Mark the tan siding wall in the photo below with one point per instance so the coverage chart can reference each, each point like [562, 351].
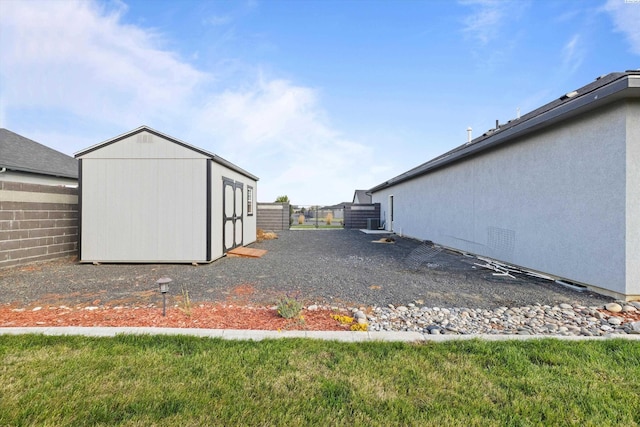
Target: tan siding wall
[37, 222]
[34, 178]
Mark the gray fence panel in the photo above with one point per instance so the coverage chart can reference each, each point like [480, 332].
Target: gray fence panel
[357, 216]
[273, 216]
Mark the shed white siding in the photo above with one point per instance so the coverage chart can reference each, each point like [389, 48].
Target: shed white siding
[563, 200]
[146, 210]
[148, 198]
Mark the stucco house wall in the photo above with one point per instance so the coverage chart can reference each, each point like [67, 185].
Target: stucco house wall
[633, 198]
[563, 200]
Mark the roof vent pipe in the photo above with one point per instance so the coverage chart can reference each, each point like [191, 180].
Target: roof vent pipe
[469, 134]
[497, 124]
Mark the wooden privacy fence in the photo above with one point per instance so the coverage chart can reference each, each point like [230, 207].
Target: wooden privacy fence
[37, 222]
[273, 216]
[362, 216]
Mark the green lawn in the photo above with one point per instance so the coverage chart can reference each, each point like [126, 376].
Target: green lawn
[160, 380]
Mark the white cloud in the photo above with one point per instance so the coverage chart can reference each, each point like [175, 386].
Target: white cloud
[75, 56]
[80, 72]
[282, 132]
[626, 17]
[573, 54]
[484, 23]
[217, 20]
[3, 118]
[492, 29]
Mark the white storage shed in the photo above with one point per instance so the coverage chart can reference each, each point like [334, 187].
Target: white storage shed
[150, 198]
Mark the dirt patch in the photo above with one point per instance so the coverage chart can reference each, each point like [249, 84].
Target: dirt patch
[241, 290]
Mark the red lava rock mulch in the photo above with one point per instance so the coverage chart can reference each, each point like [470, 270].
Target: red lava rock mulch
[206, 316]
[627, 317]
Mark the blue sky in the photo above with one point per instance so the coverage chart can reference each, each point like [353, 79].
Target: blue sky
[317, 98]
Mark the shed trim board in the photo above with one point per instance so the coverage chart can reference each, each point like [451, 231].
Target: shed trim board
[208, 207]
[80, 209]
[557, 191]
[157, 200]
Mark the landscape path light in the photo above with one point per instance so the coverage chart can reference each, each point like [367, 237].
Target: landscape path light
[163, 283]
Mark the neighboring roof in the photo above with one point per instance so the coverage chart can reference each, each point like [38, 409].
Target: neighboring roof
[24, 155]
[338, 206]
[603, 90]
[361, 196]
[143, 128]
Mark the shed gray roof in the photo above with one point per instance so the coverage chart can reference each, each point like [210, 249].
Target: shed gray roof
[24, 155]
[603, 90]
[144, 128]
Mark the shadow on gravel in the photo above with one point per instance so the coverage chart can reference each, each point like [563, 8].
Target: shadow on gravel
[333, 267]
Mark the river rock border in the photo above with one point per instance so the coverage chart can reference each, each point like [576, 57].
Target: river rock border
[562, 319]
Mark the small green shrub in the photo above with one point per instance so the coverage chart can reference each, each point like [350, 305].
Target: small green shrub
[289, 307]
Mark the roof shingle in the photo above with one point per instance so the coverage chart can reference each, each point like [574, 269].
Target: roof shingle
[24, 155]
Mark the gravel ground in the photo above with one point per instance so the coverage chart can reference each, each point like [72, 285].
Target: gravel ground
[332, 267]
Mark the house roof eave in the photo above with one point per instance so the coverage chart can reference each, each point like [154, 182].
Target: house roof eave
[625, 86]
[15, 168]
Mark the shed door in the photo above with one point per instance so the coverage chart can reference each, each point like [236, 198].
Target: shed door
[232, 205]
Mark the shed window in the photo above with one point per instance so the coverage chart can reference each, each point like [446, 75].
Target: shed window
[249, 200]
